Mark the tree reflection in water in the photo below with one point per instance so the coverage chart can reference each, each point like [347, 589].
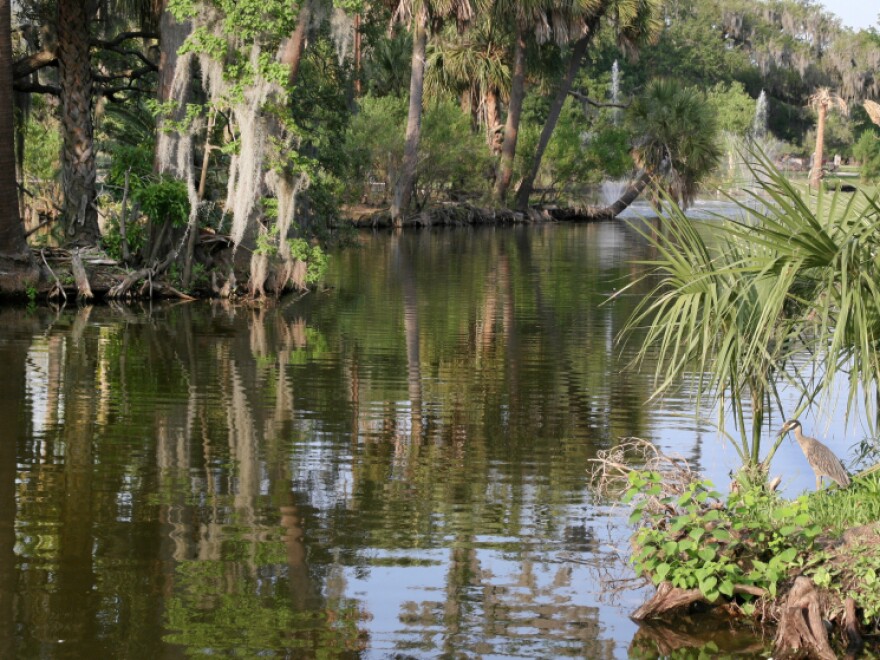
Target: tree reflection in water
[395, 465]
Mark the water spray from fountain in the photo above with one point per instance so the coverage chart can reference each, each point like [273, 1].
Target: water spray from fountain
[615, 91]
[759, 124]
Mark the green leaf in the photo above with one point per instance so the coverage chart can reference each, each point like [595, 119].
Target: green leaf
[706, 554]
[708, 585]
[721, 535]
[662, 571]
[726, 587]
[787, 556]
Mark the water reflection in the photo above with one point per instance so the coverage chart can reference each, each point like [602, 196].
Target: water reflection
[393, 466]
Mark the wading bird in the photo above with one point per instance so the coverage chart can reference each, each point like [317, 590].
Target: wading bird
[821, 459]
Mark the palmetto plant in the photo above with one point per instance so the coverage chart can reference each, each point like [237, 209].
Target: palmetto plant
[736, 304]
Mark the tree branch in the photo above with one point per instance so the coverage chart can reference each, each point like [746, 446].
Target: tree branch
[596, 104]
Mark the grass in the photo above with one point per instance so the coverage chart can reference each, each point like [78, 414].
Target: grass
[837, 510]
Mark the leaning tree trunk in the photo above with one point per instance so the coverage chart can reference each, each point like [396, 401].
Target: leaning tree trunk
[630, 194]
[574, 65]
[78, 151]
[593, 213]
[818, 156]
[407, 178]
[296, 44]
[511, 127]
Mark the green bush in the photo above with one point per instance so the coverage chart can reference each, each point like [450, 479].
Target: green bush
[867, 152]
[452, 157]
[164, 201]
[698, 540]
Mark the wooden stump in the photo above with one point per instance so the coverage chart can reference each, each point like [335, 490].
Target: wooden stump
[801, 632]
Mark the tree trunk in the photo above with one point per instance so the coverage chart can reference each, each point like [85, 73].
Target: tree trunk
[630, 194]
[493, 121]
[816, 172]
[574, 65]
[511, 127]
[12, 241]
[296, 44]
[406, 180]
[78, 151]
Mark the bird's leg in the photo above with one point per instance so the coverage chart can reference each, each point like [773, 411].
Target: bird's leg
[818, 482]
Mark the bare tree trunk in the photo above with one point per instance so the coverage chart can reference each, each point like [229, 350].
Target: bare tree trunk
[493, 121]
[574, 65]
[12, 241]
[79, 173]
[818, 156]
[296, 44]
[511, 127]
[357, 55]
[406, 180]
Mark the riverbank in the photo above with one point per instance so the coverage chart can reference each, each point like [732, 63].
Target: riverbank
[809, 567]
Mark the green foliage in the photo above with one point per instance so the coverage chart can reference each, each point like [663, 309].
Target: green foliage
[164, 200]
[798, 275]
[696, 540]
[315, 258]
[867, 152]
[461, 169]
[676, 136]
[135, 235]
[734, 108]
[582, 152]
[375, 140]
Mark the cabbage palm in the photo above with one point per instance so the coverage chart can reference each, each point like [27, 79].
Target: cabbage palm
[472, 65]
[419, 15]
[822, 101]
[676, 144]
[798, 276]
[538, 21]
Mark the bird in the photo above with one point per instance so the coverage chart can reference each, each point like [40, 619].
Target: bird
[821, 459]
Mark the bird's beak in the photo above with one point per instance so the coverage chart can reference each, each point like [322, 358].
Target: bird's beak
[783, 430]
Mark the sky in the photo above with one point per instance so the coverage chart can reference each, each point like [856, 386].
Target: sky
[857, 14]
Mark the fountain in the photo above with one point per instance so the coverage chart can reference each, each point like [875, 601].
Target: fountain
[615, 91]
[759, 124]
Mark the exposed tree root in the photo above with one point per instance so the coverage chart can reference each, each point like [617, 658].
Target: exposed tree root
[802, 632]
[671, 600]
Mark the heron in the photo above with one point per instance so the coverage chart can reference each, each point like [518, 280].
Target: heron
[821, 459]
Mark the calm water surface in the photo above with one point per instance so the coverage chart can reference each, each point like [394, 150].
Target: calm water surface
[393, 467]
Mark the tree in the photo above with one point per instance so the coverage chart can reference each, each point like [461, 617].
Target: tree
[418, 13]
[676, 143]
[638, 22]
[821, 101]
[78, 151]
[12, 240]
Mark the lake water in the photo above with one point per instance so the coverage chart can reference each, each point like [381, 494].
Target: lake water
[392, 467]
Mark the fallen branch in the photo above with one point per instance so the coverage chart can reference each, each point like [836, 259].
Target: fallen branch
[57, 289]
[84, 290]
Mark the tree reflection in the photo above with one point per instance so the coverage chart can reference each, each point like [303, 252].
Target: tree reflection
[222, 479]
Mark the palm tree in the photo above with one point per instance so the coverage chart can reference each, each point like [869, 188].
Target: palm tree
[418, 14]
[472, 66]
[638, 22]
[676, 144]
[78, 151]
[12, 240]
[823, 100]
